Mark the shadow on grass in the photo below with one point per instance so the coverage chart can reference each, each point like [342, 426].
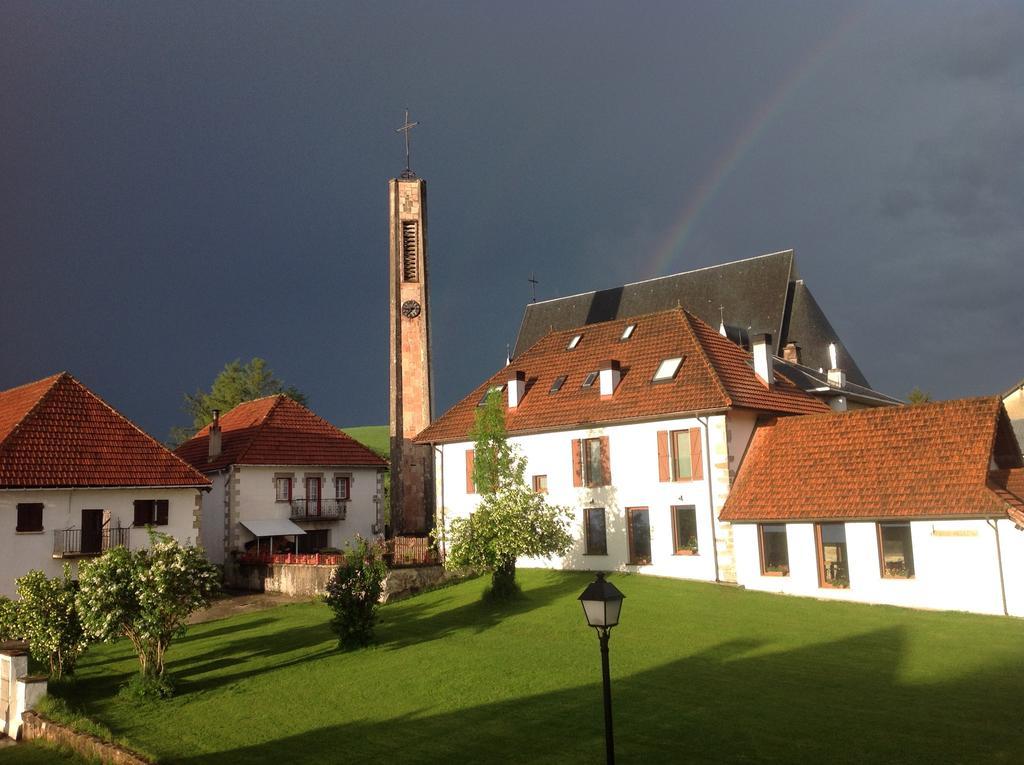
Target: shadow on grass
[839, 702]
[420, 621]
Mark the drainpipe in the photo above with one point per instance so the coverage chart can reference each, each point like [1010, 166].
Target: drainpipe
[999, 557]
[711, 496]
[444, 531]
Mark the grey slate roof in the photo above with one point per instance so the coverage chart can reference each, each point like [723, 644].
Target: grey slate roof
[761, 294]
[808, 379]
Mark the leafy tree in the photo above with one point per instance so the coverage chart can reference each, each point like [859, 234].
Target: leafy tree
[46, 616]
[236, 383]
[354, 591]
[511, 519]
[918, 396]
[146, 596]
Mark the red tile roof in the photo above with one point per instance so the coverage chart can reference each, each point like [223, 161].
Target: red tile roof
[913, 461]
[715, 374]
[57, 433]
[276, 430]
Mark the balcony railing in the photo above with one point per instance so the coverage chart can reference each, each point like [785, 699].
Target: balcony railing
[322, 509]
[70, 543]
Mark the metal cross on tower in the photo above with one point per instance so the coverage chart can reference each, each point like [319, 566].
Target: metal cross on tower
[407, 173]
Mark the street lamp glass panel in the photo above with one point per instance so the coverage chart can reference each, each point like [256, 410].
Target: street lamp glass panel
[602, 603]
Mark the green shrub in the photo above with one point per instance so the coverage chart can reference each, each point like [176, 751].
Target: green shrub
[354, 591]
[10, 620]
[48, 618]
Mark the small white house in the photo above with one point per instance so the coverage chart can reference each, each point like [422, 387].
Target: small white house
[77, 478]
[637, 425]
[911, 506]
[284, 481]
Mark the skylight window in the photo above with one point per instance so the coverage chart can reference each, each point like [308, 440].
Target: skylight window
[557, 384]
[628, 332]
[589, 381]
[488, 392]
[667, 369]
[574, 342]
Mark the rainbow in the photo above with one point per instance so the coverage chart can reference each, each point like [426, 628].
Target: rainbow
[714, 180]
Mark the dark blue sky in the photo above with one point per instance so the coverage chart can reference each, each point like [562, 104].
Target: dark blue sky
[182, 184]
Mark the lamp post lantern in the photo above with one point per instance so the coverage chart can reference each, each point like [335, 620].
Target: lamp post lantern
[602, 603]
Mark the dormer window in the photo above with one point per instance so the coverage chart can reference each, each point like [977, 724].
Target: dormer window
[557, 384]
[588, 382]
[628, 332]
[488, 392]
[667, 369]
[574, 342]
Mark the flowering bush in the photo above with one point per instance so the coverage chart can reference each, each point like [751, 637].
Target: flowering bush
[353, 592]
[146, 596]
[10, 620]
[46, 616]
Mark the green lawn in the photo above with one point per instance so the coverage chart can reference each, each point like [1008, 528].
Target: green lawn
[700, 673]
[39, 753]
[376, 437]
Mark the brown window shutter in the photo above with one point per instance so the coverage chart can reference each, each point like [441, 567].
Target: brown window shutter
[470, 486]
[696, 465]
[663, 471]
[142, 512]
[161, 512]
[606, 461]
[577, 463]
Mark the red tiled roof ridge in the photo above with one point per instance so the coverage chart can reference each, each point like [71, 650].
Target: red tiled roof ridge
[688, 319]
[44, 394]
[911, 461]
[113, 411]
[51, 453]
[263, 423]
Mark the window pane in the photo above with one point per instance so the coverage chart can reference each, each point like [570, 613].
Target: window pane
[667, 369]
[832, 554]
[681, 468]
[595, 475]
[685, 528]
[639, 535]
[540, 484]
[775, 549]
[897, 550]
[283, 489]
[597, 542]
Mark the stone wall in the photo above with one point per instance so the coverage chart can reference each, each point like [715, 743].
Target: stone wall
[35, 726]
[309, 581]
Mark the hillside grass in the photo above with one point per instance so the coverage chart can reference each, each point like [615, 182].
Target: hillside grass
[700, 673]
[375, 437]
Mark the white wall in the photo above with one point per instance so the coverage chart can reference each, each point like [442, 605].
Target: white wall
[62, 509]
[213, 514]
[955, 566]
[635, 483]
[254, 496]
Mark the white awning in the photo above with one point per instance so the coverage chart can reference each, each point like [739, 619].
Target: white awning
[276, 527]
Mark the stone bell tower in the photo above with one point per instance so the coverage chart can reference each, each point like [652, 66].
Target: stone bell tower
[412, 475]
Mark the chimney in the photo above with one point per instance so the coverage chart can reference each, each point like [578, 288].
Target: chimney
[762, 346]
[214, 442]
[836, 376]
[838, 404]
[791, 353]
[611, 373]
[516, 388]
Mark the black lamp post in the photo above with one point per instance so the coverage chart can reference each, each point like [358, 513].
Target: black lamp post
[602, 603]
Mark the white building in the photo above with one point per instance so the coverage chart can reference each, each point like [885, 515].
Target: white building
[284, 480]
[911, 506]
[76, 478]
[638, 425]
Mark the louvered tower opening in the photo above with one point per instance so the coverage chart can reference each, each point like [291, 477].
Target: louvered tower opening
[410, 261]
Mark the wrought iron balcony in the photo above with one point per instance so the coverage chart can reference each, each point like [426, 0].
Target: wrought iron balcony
[71, 543]
[322, 509]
